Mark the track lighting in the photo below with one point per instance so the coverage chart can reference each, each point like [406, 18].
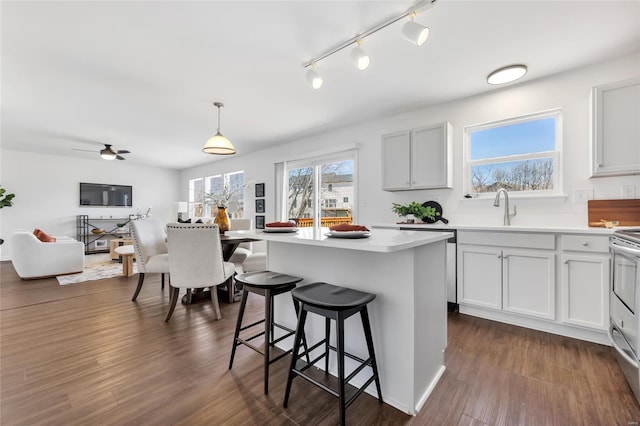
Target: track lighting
[507, 74]
[314, 78]
[412, 31]
[218, 144]
[361, 59]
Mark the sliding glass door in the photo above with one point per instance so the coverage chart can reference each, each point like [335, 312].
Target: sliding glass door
[321, 192]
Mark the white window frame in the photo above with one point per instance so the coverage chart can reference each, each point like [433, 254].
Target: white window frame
[339, 155]
[555, 155]
[208, 210]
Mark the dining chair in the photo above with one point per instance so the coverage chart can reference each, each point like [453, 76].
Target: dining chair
[151, 250]
[196, 262]
[244, 250]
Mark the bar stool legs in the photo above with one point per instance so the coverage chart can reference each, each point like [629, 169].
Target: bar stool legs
[320, 298]
[269, 285]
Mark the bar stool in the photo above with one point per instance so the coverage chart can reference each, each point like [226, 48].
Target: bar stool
[333, 303]
[267, 284]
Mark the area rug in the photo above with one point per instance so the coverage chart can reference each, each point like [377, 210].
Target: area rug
[96, 267]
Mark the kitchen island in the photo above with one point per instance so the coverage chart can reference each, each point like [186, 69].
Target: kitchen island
[406, 270]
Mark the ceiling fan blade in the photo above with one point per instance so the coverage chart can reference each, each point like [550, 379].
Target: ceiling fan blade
[119, 157]
[123, 151]
[84, 150]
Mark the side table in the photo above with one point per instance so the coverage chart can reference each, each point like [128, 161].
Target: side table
[127, 254]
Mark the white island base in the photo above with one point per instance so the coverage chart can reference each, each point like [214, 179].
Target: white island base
[408, 316]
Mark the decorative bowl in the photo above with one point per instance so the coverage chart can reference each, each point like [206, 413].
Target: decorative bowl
[97, 231]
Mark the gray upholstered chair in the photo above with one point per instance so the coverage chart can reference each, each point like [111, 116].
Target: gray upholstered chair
[151, 250]
[195, 261]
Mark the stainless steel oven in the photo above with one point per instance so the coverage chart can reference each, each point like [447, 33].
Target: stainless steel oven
[625, 304]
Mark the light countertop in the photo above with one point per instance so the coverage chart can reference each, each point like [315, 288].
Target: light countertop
[381, 240]
[498, 228]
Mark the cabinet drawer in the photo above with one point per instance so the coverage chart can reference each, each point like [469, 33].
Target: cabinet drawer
[508, 239]
[589, 243]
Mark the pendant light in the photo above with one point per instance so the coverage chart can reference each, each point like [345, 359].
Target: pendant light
[218, 144]
[313, 77]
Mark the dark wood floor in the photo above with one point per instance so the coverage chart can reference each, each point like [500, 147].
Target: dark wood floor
[85, 354]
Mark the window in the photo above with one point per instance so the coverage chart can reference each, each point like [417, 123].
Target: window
[314, 186]
[200, 187]
[519, 155]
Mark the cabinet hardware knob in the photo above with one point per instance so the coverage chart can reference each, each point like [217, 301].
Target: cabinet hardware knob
[585, 244]
[599, 165]
[622, 323]
[499, 256]
[566, 262]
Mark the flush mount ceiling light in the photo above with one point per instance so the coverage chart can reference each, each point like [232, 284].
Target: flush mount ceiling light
[218, 144]
[507, 74]
[361, 59]
[411, 31]
[314, 78]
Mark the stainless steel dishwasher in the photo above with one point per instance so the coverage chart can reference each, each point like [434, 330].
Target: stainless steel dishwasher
[451, 259]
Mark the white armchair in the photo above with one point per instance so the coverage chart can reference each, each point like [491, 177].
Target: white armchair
[32, 258]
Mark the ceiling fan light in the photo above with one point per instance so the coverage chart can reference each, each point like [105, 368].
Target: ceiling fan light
[314, 78]
[507, 74]
[361, 59]
[415, 33]
[108, 155]
[219, 145]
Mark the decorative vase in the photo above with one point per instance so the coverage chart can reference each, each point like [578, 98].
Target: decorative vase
[222, 220]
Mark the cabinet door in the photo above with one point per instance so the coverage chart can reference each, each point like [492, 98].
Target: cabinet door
[480, 276]
[585, 290]
[529, 282]
[395, 161]
[616, 129]
[430, 156]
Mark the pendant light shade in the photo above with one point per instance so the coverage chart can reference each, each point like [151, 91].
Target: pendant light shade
[415, 33]
[218, 144]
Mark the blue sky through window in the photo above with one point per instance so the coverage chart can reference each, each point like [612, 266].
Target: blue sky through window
[514, 139]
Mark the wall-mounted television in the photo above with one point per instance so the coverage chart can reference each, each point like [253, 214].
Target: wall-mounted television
[105, 195]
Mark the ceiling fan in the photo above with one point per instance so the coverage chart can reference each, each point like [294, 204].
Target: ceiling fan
[108, 153]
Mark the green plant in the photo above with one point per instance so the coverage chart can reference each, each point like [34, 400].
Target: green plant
[5, 200]
[414, 208]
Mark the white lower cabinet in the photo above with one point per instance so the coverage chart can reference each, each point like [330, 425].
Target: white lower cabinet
[512, 276]
[529, 282]
[585, 281]
[513, 280]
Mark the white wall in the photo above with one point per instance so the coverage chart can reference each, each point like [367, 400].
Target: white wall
[569, 91]
[47, 191]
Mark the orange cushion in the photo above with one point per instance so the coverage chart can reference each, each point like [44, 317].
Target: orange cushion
[44, 237]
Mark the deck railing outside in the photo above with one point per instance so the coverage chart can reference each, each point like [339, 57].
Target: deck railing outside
[325, 222]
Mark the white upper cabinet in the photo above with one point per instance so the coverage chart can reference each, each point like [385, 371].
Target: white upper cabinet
[419, 158]
[615, 129]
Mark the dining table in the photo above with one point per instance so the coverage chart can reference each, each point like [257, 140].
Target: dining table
[229, 245]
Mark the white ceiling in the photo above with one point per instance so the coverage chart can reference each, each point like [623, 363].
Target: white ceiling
[143, 75]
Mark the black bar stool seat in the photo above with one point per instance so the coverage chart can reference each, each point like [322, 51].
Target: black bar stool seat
[268, 284]
[333, 303]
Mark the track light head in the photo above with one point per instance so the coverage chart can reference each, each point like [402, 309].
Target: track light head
[414, 32]
[314, 78]
[361, 59]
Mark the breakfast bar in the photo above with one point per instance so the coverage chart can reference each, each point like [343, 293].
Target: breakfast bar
[406, 270]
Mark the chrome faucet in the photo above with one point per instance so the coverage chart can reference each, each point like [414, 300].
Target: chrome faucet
[496, 203]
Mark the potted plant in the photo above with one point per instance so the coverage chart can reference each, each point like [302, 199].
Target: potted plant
[414, 208]
[5, 201]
